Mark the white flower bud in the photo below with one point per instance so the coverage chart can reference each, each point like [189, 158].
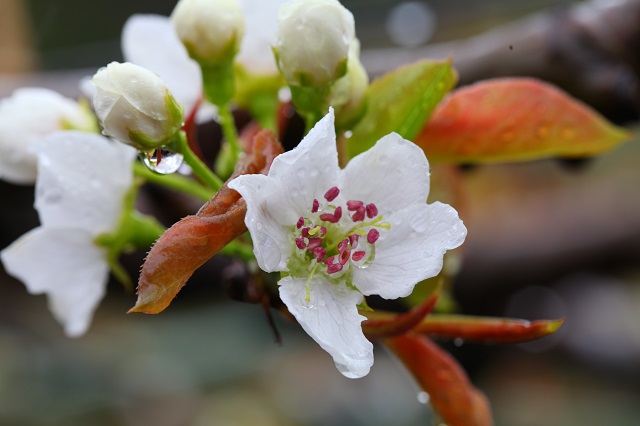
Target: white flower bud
[211, 30]
[135, 106]
[28, 115]
[313, 40]
[349, 93]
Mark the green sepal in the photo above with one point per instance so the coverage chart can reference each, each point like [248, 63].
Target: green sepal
[402, 101]
[134, 230]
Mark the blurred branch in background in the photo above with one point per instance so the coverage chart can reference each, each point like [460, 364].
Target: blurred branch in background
[16, 53]
[588, 49]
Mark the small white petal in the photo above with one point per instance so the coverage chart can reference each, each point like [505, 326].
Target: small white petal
[261, 23]
[151, 42]
[67, 266]
[411, 251]
[331, 319]
[393, 174]
[29, 114]
[268, 222]
[82, 180]
[310, 169]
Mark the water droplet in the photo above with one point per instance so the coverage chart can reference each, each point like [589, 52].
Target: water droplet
[307, 304]
[423, 397]
[162, 161]
[348, 134]
[458, 342]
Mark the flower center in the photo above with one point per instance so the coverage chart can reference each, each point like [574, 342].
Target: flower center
[332, 238]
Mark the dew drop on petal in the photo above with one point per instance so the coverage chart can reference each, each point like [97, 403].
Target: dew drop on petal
[370, 255]
[162, 161]
[307, 304]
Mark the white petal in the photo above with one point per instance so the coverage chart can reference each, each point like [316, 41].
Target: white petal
[67, 266]
[26, 116]
[261, 23]
[310, 169]
[151, 42]
[275, 202]
[393, 174]
[331, 319]
[268, 220]
[411, 251]
[82, 180]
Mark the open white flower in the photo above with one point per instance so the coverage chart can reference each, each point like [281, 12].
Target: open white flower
[337, 235]
[82, 180]
[28, 115]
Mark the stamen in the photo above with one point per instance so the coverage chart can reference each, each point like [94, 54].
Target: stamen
[373, 236]
[358, 255]
[300, 223]
[353, 240]
[315, 207]
[329, 260]
[300, 243]
[319, 254]
[314, 243]
[359, 214]
[323, 231]
[332, 269]
[332, 193]
[344, 257]
[338, 213]
[305, 232]
[372, 211]
[343, 245]
[353, 205]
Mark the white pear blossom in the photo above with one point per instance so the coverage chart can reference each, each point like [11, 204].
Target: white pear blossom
[313, 40]
[135, 106]
[337, 235]
[82, 180]
[211, 30]
[28, 115]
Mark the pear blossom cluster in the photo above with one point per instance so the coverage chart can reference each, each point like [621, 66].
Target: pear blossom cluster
[334, 235]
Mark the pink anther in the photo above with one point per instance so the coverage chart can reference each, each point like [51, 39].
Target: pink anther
[319, 254]
[314, 243]
[315, 207]
[358, 215]
[343, 245]
[332, 193]
[372, 211]
[373, 236]
[353, 205]
[300, 243]
[305, 232]
[353, 240]
[332, 269]
[344, 257]
[300, 223]
[357, 256]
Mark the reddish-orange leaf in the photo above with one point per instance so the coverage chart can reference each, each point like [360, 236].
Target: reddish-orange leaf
[486, 330]
[381, 325]
[192, 241]
[451, 393]
[514, 119]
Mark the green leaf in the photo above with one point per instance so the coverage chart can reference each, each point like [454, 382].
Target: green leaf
[402, 101]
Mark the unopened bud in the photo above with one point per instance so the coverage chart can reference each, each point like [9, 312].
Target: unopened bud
[211, 30]
[313, 40]
[135, 106]
[349, 94]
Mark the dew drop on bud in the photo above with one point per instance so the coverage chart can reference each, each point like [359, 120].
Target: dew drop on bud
[162, 161]
[423, 397]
